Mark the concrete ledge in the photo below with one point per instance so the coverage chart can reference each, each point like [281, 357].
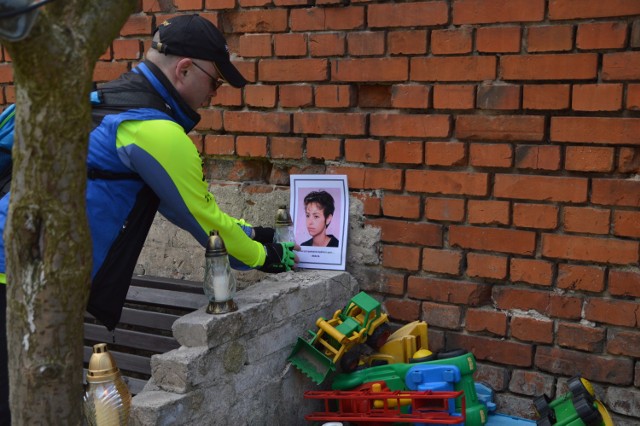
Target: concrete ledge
[231, 369]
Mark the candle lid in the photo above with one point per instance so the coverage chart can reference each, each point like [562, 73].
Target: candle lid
[101, 364]
[282, 216]
[215, 245]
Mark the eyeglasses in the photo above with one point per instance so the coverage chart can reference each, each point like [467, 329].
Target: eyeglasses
[215, 81]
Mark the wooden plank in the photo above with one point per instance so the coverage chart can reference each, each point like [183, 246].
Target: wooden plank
[130, 338]
[167, 284]
[151, 319]
[124, 361]
[166, 298]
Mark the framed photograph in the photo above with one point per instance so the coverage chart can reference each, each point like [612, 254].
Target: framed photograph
[319, 207]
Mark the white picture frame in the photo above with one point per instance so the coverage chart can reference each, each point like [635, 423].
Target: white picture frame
[309, 234]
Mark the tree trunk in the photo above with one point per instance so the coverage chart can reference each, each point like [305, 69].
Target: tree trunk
[48, 247]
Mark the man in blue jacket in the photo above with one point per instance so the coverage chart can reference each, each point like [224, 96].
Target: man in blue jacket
[140, 160]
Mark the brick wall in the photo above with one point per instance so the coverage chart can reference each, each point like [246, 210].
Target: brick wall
[494, 142]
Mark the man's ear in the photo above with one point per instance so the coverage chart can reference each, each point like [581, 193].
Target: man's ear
[182, 68]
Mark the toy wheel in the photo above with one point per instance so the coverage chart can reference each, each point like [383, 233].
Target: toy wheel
[379, 337]
[451, 354]
[350, 361]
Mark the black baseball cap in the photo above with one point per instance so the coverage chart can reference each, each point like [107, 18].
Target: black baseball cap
[193, 36]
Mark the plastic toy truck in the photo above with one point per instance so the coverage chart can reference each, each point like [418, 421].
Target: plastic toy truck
[361, 320]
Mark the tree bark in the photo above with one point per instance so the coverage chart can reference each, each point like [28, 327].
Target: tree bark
[48, 245]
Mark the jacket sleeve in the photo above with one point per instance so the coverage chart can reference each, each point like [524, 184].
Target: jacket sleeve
[167, 160]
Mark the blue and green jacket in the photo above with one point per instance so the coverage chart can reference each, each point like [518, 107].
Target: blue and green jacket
[140, 160]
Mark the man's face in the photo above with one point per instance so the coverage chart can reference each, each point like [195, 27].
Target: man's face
[200, 83]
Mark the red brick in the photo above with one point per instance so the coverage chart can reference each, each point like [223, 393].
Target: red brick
[444, 182]
[531, 271]
[255, 45]
[589, 249]
[504, 127]
[210, 119]
[441, 261]
[445, 154]
[326, 18]
[293, 70]
[541, 188]
[624, 283]
[607, 130]
[626, 223]
[401, 257]
[255, 21]
[326, 149]
[577, 336]
[566, 9]
[591, 367]
[444, 209]
[550, 38]
[448, 291]
[633, 97]
[362, 150]
[393, 283]
[488, 212]
[544, 302]
[539, 216]
[451, 41]
[251, 146]
[355, 175]
[537, 157]
[615, 192]
[403, 310]
[565, 66]
[597, 97]
[286, 147]
[257, 122]
[403, 152]
[329, 123]
[546, 96]
[621, 66]
[416, 14]
[531, 329]
[401, 206]
[137, 24]
[227, 96]
[629, 160]
[490, 155]
[371, 204]
[254, 3]
[601, 35]
[366, 43]
[589, 159]
[383, 179]
[261, 96]
[498, 39]
[295, 96]
[498, 96]
[374, 96]
[417, 233]
[410, 42]
[615, 312]
[454, 96]
[410, 96]
[443, 316]
[332, 44]
[494, 11]
[623, 342]
[219, 145]
[458, 68]
[334, 96]
[484, 320]
[414, 125]
[492, 239]
[104, 71]
[580, 278]
[494, 350]
[586, 220]
[290, 45]
[127, 49]
[486, 266]
[370, 69]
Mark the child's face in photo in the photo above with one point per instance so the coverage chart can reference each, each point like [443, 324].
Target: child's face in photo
[316, 222]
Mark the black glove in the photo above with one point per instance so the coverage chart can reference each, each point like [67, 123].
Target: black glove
[263, 235]
[280, 258]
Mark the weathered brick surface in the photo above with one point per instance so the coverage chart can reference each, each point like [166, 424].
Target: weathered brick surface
[493, 145]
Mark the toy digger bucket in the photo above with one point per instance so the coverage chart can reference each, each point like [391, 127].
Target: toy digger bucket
[310, 361]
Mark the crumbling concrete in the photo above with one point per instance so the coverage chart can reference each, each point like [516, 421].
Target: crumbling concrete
[232, 369]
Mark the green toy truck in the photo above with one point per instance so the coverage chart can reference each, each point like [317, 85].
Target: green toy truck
[361, 320]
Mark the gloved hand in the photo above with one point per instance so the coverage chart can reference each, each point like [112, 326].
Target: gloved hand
[280, 257]
[263, 235]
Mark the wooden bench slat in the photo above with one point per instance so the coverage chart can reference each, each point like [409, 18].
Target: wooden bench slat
[124, 361]
[149, 319]
[166, 298]
[183, 286]
[130, 338]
